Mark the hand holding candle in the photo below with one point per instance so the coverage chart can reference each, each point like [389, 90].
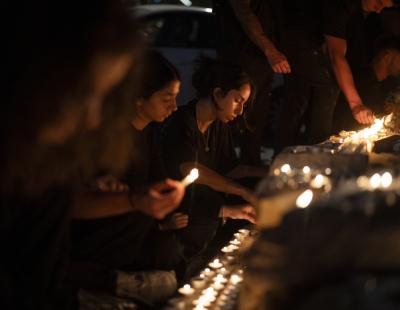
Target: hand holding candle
[191, 177]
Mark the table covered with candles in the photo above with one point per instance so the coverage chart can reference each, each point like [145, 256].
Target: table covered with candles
[327, 237]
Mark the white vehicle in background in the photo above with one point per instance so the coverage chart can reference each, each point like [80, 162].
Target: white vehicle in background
[181, 34]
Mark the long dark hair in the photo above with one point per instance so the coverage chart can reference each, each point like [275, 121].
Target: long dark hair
[212, 73]
[155, 73]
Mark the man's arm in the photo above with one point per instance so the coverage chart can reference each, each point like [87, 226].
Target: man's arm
[252, 27]
[337, 53]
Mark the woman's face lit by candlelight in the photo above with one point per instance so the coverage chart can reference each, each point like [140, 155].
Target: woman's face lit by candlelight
[161, 103]
[231, 104]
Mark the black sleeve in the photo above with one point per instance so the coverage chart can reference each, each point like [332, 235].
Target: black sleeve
[179, 144]
[335, 18]
[228, 159]
[157, 171]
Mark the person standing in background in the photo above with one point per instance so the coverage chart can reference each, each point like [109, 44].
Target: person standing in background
[246, 33]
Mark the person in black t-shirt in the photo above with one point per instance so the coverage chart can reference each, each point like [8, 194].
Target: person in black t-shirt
[346, 39]
[373, 83]
[198, 135]
[104, 240]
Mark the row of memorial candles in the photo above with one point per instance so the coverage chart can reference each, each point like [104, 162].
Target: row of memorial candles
[217, 286]
[314, 177]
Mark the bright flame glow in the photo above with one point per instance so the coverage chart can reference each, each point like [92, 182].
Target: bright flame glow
[191, 177]
[286, 168]
[306, 170]
[386, 180]
[318, 181]
[375, 180]
[368, 135]
[304, 200]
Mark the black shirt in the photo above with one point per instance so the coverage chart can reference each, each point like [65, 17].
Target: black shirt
[301, 24]
[346, 19]
[147, 164]
[234, 44]
[117, 241]
[184, 142]
[35, 249]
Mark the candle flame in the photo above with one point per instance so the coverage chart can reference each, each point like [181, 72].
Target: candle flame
[306, 170]
[286, 168]
[193, 175]
[386, 180]
[375, 180]
[304, 200]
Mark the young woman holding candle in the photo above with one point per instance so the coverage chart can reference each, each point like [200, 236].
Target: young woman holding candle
[134, 243]
[198, 136]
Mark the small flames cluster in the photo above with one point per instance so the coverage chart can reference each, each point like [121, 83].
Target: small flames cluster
[363, 140]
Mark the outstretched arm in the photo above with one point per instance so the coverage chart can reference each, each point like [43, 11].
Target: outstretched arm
[337, 52]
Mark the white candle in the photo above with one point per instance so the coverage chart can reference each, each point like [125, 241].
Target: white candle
[223, 271]
[239, 236]
[191, 177]
[227, 249]
[244, 232]
[235, 279]
[220, 278]
[215, 264]
[198, 282]
[218, 286]
[208, 272]
[386, 180]
[186, 290]
[235, 242]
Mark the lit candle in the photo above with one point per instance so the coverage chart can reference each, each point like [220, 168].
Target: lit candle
[203, 301]
[218, 286]
[199, 282]
[235, 242]
[306, 170]
[375, 180]
[235, 279]
[208, 272]
[318, 181]
[239, 236]
[244, 232]
[220, 278]
[210, 292]
[286, 168]
[215, 264]
[186, 290]
[223, 271]
[386, 180]
[191, 177]
[227, 249]
[304, 200]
